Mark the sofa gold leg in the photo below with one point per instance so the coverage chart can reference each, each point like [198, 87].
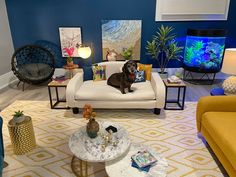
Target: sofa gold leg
[79, 167]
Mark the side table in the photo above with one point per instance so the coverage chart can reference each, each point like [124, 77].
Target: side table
[56, 85]
[62, 84]
[86, 150]
[180, 87]
[22, 136]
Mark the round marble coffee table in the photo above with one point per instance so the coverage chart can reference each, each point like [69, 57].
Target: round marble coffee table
[122, 166]
[90, 150]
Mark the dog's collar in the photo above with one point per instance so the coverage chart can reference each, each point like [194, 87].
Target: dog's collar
[132, 76]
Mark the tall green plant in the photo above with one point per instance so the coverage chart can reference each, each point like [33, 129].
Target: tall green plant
[163, 47]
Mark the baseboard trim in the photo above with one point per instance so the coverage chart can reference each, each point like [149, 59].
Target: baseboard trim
[172, 71]
[7, 79]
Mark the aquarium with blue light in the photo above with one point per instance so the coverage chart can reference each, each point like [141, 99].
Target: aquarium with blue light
[204, 50]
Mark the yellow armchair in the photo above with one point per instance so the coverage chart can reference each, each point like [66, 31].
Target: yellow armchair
[216, 121]
[214, 104]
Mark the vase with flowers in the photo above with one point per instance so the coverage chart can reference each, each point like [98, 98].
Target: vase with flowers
[92, 127]
[69, 59]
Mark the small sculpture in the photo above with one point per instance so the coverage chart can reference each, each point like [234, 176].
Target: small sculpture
[111, 56]
[108, 140]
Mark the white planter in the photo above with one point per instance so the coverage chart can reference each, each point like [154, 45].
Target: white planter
[163, 75]
[20, 119]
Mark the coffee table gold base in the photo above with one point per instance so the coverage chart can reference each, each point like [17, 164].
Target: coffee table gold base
[79, 167]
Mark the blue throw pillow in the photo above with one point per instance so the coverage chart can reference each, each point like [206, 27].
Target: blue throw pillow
[139, 76]
[88, 73]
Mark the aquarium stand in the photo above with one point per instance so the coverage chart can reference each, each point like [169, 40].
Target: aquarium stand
[204, 79]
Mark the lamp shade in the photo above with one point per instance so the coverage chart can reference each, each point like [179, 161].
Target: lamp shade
[84, 52]
[229, 62]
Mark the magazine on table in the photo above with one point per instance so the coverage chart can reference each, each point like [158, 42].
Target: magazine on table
[174, 80]
[143, 158]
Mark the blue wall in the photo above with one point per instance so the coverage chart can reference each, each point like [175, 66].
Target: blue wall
[32, 20]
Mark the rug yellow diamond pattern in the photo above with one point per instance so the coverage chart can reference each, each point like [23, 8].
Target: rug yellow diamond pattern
[172, 133]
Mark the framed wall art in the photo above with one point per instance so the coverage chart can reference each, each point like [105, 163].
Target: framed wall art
[121, 39]
[70, 37]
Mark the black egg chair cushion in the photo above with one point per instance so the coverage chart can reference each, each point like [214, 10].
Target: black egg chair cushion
[35, 71]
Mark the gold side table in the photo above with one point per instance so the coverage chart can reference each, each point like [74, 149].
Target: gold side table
[22, 136]
[79, 167]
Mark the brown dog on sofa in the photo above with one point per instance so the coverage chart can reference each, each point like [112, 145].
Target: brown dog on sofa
[125, 79]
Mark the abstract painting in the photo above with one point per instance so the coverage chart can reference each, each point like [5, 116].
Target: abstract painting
[70, 38]
[121, 39]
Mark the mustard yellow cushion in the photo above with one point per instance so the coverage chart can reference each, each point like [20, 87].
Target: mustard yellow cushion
[99, 73]
[147, 69]
[221, 126]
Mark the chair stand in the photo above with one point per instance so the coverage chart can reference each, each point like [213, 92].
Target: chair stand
[23, 85]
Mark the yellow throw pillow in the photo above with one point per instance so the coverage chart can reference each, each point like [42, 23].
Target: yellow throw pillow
[147, 69]
[99, 73]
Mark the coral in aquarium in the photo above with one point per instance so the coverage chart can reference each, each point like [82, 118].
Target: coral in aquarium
[198, 45]
[204, 53]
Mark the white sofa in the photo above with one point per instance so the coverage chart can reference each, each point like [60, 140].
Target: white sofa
[146, 95]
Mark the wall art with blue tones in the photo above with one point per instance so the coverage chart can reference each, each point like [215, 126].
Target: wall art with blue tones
[121, 39]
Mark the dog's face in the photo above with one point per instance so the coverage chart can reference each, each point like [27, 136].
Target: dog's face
[130, 67]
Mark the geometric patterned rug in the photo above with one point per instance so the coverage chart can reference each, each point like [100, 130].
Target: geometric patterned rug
[172, 133]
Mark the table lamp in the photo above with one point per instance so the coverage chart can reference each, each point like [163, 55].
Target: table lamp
[229, 67]
[84, 52]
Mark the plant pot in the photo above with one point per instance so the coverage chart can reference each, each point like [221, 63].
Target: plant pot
[92, 128]
[163, 75]
[18, 120]
[70, 63]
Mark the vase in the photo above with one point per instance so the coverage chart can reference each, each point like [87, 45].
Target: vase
[92, 128]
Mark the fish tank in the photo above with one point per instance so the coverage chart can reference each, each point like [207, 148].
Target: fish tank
[204, 50]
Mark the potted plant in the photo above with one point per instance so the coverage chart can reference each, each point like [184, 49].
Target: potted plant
[18, 117]
[127, 53]
[92, 126]
[69, 59]
[163, 47]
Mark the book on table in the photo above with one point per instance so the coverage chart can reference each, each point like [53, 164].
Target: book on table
[143, 158]
[60, 78]
[174, 80]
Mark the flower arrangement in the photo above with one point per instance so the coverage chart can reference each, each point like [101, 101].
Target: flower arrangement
[92, 126]
[69, 51]
[88, 112]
